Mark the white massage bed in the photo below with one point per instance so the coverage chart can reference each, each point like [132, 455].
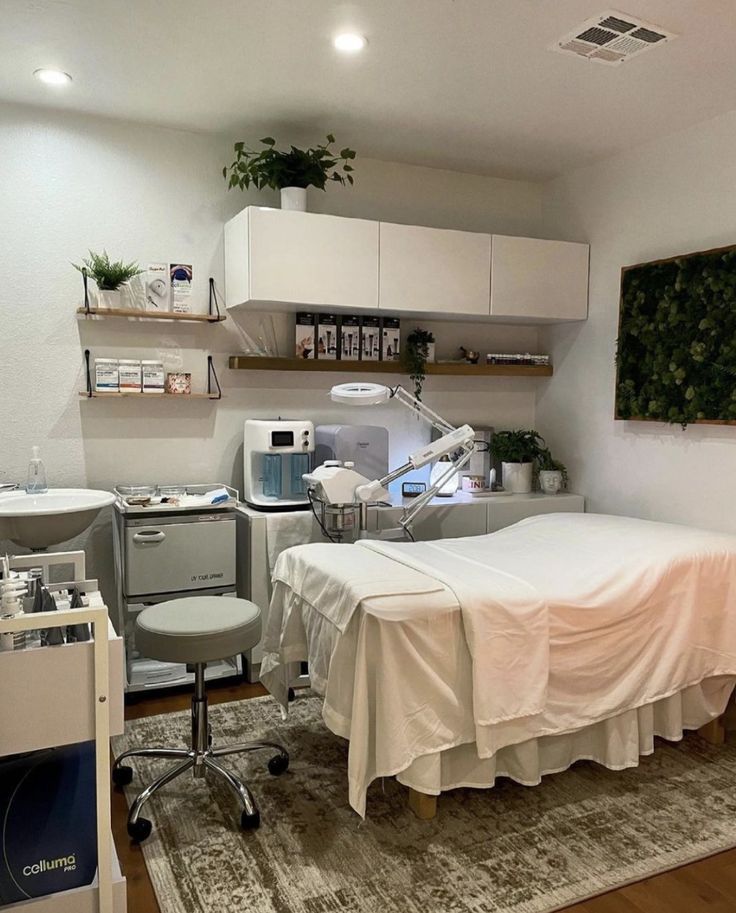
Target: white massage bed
[563, 637]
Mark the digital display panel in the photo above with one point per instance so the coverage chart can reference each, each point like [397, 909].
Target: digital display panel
[282, 438]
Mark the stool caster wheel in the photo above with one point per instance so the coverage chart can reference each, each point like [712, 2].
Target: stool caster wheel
[139, 830]
[250, 822]
[278, 764]
[122, 776]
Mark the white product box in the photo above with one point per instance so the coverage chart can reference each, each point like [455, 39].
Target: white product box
[152, 376]
[304, 344]
[391, 338]
[130, 375]
[158, 287]
[106, 375]
[350, 338]
[370, 338]
[180, 275]
[327, 337]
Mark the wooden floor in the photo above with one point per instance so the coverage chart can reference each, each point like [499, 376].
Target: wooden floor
[708, 886]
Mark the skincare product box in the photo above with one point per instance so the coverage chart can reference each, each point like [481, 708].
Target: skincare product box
[106, 375]
[350, 338]
[180, 275]
[370, 338]
[48, 839]
[158, 288]
[304, 335]
[179, 383]
[327, 337]
[390, 338]
[129, 371]
[152, 376]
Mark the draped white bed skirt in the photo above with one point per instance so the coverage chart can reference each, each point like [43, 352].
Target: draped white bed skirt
[616, 743]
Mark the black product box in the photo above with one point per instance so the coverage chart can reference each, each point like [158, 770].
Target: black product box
[350, 338]
[49, 838]
[328, 338]
[390, 338]
[370, 339]
[304, 346]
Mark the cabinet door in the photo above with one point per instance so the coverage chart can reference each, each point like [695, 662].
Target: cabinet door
[434, 270]
[539, 280]
[309, 259]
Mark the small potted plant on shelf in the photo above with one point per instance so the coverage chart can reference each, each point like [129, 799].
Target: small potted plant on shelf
[109, 276]
[418, 351]
[290, 171]
[552, 473]
[517, 450]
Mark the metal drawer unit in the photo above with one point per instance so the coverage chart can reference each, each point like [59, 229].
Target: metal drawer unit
[164, 553]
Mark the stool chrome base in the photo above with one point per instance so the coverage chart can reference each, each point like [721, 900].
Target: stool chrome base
[201, 759]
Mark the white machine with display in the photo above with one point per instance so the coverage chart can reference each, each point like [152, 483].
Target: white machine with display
[276, 456]
[366, 446]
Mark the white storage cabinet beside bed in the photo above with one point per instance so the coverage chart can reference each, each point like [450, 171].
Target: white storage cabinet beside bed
[445, 518]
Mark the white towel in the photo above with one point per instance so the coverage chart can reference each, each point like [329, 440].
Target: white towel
[285, 530]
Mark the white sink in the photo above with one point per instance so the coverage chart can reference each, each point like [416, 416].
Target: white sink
[37, 521]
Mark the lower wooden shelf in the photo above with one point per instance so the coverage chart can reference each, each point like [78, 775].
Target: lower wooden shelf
[255, 363]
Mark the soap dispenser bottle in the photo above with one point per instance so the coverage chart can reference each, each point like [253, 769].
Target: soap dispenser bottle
[36, 483]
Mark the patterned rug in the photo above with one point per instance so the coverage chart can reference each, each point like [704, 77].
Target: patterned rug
[512, 849]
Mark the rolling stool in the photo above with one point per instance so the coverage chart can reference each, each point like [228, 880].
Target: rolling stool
[195, 631]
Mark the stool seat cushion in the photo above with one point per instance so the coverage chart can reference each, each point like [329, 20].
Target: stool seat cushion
[198, 629]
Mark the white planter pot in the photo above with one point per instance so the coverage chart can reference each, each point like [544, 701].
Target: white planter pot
[107, 298]
[431, 353]
[550, 481]
[294, 198]
[517, 477]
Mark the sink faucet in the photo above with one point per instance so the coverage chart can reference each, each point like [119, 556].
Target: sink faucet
[8, 486]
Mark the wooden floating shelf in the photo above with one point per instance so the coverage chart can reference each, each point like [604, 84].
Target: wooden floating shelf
[151, 315]
[251, 363]
[176, 396]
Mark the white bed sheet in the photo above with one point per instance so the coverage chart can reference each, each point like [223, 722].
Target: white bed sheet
[399, 684]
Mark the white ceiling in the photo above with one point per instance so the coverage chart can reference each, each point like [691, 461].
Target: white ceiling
[461, 84]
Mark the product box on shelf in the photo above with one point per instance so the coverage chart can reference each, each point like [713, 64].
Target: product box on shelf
[181, 287]
[158, 287]
[305, 335]
[370, 338]
[390, 338]
[328, 340]
[350, 338]
[49, 837]
[129, 374]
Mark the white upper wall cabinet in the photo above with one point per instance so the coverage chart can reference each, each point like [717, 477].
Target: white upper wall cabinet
[538, 281]
[434, 271]
[300, 260]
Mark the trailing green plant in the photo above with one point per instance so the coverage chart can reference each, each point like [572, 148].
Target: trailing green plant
[414, 357]
[275, 168]
[547, 463]
[676, 352]
[520, 446]
[108, 275]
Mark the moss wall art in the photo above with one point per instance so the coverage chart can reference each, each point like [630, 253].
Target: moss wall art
[676, 357]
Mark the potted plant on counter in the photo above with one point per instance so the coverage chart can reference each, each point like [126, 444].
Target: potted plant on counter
[517, 451]
[418, 351]
[552, 473]
[290, 171]
[109, 276]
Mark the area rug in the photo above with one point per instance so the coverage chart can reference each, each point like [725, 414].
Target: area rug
[511, 849]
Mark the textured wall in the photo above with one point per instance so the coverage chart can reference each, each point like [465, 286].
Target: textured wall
[670, 197]
[68, 183]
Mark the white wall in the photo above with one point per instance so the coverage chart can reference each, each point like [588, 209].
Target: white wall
[672, 196]
[69, 183]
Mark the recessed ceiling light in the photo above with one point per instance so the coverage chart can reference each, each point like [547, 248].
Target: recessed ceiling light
[349, 42]
[52, 77]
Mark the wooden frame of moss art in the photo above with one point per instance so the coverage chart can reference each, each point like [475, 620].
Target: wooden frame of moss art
[676, 353]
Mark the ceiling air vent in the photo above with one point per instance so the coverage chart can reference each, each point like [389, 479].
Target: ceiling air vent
[612, 38]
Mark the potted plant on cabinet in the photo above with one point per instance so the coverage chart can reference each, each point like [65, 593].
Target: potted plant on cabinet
[109, 276]
[291, 171]
[552, 473]
[417, 352]
[517, 451]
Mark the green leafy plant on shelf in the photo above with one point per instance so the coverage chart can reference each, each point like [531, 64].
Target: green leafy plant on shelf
[676, 353]
[276, 168]
[108, 275]
[520, 446]
[414, 357]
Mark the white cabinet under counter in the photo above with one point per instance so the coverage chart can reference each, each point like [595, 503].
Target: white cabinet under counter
[434, 270]
[300, 260]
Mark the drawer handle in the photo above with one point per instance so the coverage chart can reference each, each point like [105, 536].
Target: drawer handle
[149, 536]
